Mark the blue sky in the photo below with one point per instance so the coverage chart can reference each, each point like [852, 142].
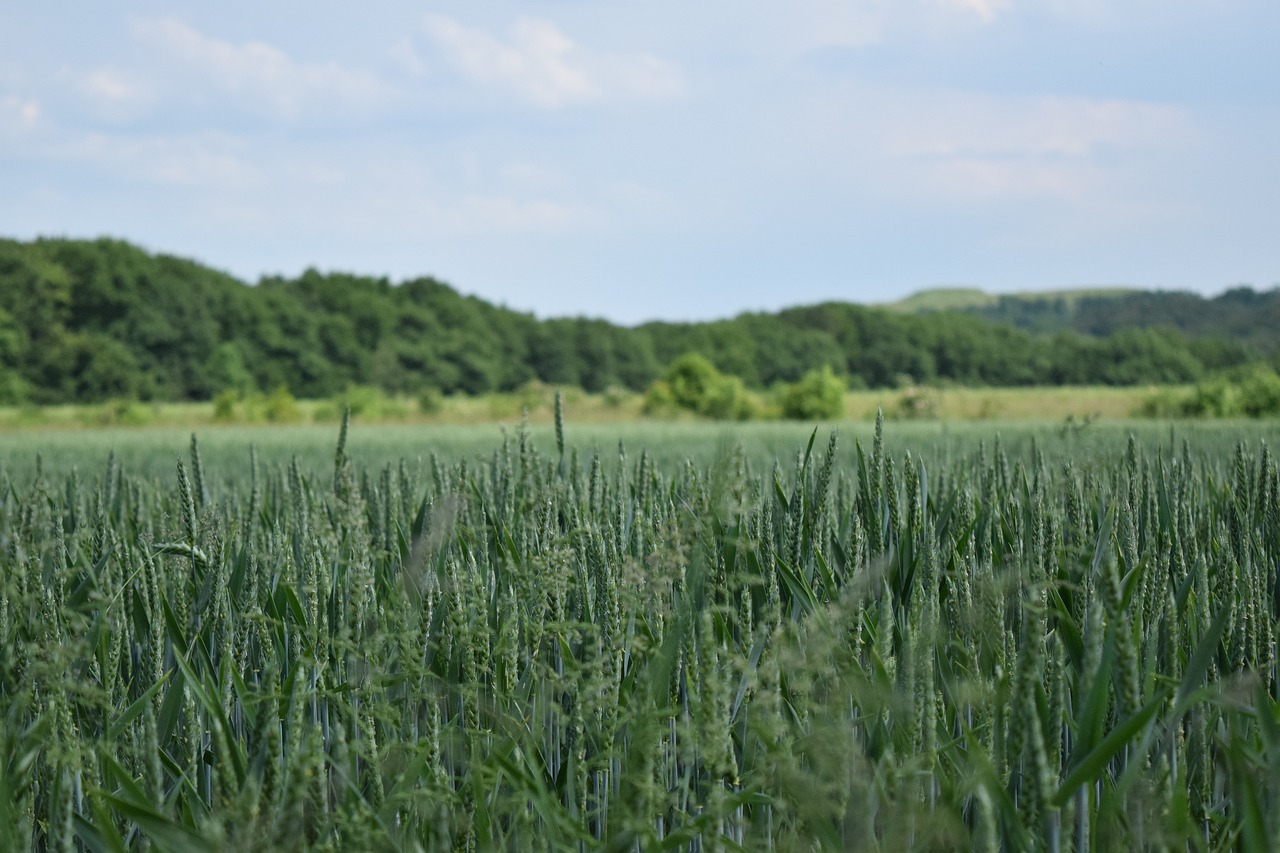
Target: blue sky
[658, 159]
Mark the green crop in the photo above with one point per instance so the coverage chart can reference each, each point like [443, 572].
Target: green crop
[993, 646]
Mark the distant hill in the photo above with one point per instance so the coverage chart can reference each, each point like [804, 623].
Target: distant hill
[973, 299]
[1241, 315]
[89, 320]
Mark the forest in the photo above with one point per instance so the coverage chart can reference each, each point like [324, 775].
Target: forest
[91, 320]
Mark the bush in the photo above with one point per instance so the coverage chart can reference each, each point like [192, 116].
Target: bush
[691, 379]
[13, 389]
[819, 395]
[224, 406]
[1260, 392]
[1252, 391]
[1216, 398]
[281, 407]
[728, 400]
[694, 384]
[658, 399]
[122, 412]
[431, 401]
[365, 401]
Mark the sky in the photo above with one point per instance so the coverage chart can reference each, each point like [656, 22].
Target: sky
[658, 159]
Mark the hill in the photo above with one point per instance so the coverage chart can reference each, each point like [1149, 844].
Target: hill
[82, 321]
[1241, 314]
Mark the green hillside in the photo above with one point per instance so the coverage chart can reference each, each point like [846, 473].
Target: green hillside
[1241, 314]
[976, 300]
[83, 321]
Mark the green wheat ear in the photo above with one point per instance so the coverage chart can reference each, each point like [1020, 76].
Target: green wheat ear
[915, 648]
[560, 425]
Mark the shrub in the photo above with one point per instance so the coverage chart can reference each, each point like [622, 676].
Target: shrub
[1216, 398]
[122, 412]
[691, 379]
[281, 407]
[819, 395]
[1260, 392]
[13, 390]
[1166, 403]
[365, 401]
[728, 400]
[658, 399]
[1252, 391]
[224, 406]
[694, 384]
[431, 401]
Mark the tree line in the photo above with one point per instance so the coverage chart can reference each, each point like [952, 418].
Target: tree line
[84, 321]
[1240, 314]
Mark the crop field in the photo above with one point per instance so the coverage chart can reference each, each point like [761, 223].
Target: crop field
[682, 636]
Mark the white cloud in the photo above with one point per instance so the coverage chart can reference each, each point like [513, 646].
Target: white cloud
[984, 9]
[259, 73]
[808, 24]
[985, 146]
[113, 93]
[19, 113]
[543, 66]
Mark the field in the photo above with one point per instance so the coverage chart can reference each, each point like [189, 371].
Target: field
[940, 403]
[923, 635]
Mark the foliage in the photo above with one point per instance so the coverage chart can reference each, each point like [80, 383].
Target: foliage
[1236, 320]
[90, 321]
[279, 407]
[819, 395]
[430, 401]
[123, 413]
[692, 383]
[868, 649]
[1250, 392]
[364, 402]
[224, 406]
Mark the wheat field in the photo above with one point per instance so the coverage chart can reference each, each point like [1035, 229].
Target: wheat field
[1060, 640]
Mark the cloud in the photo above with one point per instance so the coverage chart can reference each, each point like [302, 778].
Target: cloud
[816, 24]
[984, 146]
[542, 66]
[19, 113]
[113, 93]
[258, 73]
[984, 9]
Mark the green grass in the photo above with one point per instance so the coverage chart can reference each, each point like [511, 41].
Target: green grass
[1001, 635]
[151, 453]
[963, 298]
[929, 402]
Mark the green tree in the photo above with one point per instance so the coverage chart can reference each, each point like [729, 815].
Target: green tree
[819, 395]
[693, 383]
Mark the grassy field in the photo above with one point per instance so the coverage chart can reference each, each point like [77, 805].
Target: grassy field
[926, 635]
[962, 298]
[1043, 404]
[150, 453]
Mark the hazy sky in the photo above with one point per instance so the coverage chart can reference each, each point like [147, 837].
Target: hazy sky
[658, 158]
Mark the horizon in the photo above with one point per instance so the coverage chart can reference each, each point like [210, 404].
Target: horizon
[593, 159]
